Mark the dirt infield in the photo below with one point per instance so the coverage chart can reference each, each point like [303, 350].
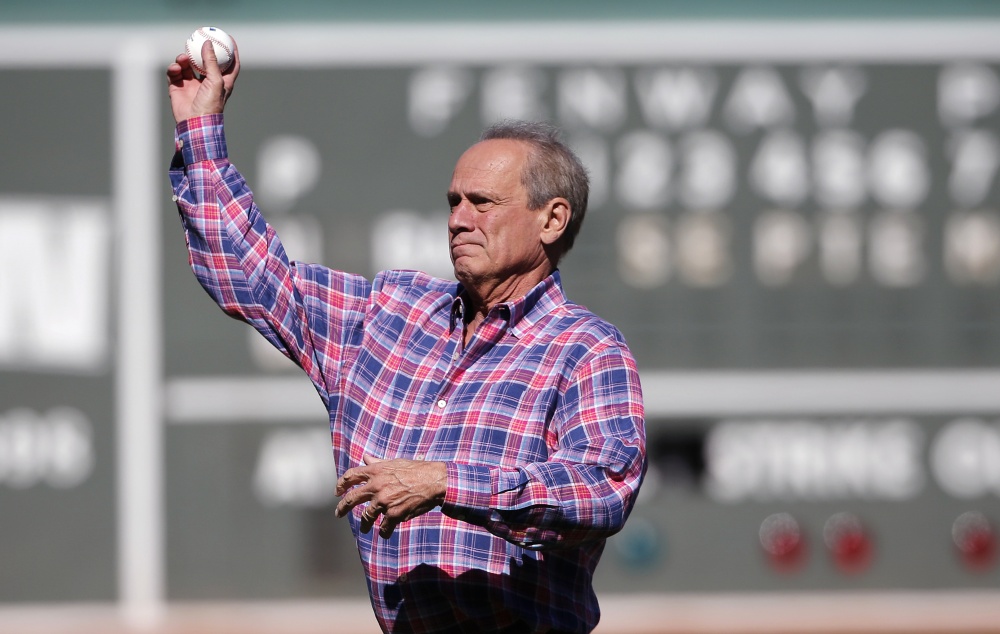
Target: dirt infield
[849, 613]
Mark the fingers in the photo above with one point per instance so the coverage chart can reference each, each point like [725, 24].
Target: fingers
[180, 69]
[390, 520]
[354, 488]
[209, 60]
[234, 68]
[389, 524]
[368, 517]
[352, 498]
[194, 94]
[351, 477]
[398, 490]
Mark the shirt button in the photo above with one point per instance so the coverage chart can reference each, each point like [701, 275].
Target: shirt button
[402, 578]
[173, 198]
[180, 143]
[419, 456]
[442, 403]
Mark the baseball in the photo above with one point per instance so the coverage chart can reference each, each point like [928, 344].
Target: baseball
[221, 42]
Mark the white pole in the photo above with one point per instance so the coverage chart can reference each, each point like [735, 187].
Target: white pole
[135, 114]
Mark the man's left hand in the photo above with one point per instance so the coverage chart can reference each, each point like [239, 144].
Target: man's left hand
[399, 490]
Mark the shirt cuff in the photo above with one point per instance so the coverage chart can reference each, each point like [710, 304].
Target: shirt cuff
[470, 488]
[201, 139]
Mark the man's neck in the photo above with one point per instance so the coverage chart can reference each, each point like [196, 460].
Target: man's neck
[479, 305]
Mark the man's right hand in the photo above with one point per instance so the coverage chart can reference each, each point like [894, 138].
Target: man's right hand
[191, 96]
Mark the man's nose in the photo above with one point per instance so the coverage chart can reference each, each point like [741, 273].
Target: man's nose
[461, 216]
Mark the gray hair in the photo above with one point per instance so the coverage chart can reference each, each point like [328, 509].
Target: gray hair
[551, 171]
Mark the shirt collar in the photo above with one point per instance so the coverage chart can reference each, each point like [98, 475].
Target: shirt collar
[525, 311]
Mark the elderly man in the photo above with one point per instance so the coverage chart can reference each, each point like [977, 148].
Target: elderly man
[490, 429]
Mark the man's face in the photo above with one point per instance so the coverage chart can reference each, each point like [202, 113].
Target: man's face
[493, 235]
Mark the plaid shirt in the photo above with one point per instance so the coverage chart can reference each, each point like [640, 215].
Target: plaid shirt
[539, 418]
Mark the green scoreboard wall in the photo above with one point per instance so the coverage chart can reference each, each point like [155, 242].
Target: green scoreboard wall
[795, 225]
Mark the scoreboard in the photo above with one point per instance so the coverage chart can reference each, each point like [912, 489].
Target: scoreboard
[795, 225]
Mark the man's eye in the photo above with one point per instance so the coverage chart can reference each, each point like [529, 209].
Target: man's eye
[481, 203]
[453, 200]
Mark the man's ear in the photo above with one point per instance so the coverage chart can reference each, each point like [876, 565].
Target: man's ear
[556, 219]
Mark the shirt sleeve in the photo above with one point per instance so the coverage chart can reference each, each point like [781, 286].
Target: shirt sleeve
[307, 311]
[586, 489]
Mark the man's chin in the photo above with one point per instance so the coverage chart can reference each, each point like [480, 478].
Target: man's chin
[462, 275]
[463, 272]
